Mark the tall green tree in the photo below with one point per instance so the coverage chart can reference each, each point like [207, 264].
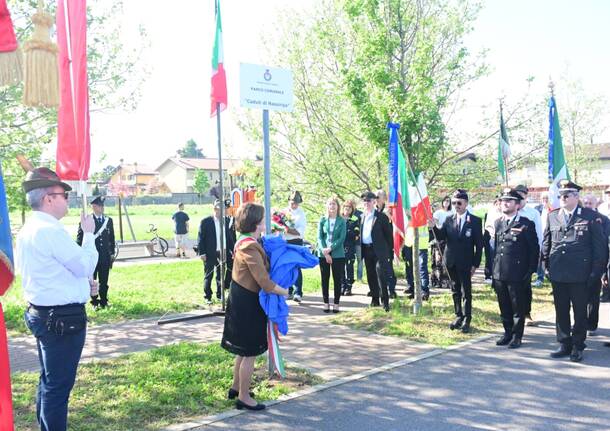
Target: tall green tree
[201, 182]
[115, 77]
[191, 150]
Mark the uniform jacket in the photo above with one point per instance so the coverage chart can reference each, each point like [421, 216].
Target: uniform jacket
[463, 249]
[517, 249]
[381, 232]
[206, 238]
[338, 237]
[575, 251]
[104, 243]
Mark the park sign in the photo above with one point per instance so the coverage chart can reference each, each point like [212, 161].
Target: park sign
[264, 87]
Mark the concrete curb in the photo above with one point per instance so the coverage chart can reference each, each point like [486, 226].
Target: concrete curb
[208, 420]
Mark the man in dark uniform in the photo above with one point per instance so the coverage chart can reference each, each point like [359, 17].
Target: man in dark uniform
[590, 201]
[515, 260]
[377, 244]
[463, 234]
[573, 257]
[105, 245]
[208, 248]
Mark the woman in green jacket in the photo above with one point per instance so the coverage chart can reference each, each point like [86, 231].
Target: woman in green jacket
[331, 235]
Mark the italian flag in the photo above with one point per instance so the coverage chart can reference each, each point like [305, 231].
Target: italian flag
[408, 193]
[219, 77]
[558, 169]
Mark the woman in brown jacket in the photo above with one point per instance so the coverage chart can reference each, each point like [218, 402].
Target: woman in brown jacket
[245, 321]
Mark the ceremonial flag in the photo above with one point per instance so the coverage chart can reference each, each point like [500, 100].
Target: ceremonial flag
[219, 77]
[398, 189]
[419, 202]
[503, 149]
[73, 139]
[6, 278]
[558, 169]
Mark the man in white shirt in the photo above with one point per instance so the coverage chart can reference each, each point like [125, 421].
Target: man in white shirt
[295, 236]
[56, 275]
[604, 207]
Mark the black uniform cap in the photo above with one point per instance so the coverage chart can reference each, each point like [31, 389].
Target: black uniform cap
[567, 186]
[98, 200]
[510, 194]
[368, 196]
[296, 197]
[460, 194]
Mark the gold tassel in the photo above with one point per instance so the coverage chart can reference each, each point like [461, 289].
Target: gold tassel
[41, 86]
[11, 68]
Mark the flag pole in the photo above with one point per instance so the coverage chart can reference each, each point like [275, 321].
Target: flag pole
[222, 212]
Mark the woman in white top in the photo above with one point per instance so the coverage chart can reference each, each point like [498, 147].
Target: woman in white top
[439, 277]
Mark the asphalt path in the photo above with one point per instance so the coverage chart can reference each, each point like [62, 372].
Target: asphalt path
[477, 387]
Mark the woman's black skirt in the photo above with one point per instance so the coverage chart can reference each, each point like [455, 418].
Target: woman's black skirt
[245, 330]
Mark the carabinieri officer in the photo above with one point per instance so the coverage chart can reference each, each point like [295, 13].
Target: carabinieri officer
[573, 257]
[515, 260]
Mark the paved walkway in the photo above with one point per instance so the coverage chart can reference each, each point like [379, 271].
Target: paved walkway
[477, 387]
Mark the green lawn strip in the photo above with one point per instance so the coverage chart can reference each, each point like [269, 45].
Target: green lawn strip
[136, 292]
[149, 390]
[431, 325]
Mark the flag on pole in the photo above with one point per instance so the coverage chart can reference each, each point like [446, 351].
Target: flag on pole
[73, 139]
[558, 169]
[6, 278]
[419, 202]
[408, 194]
[219, 77]
[503, 149]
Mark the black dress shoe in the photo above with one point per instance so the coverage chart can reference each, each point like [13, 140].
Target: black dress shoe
[457, 323]
[506, 338]
[375, 302]
[425, 297]
[515, 344]
[576, 355]
[393, 295]
[369, 294]
[410, 295]
[234, 394]
[561, 352]
[240, 405]
[386, 305]
[466, 327]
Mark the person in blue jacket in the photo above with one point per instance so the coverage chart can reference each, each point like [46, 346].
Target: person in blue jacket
[331, 236]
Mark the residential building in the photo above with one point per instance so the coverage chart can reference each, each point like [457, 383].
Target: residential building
[132, 179]
[178, 173]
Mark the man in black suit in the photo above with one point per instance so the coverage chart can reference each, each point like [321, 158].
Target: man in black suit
[462, 232]
[377, 243]
[573, 255]
[208, 248]
[515, 260]
[105, 245]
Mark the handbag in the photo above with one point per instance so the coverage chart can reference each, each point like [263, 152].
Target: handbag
[67, 321]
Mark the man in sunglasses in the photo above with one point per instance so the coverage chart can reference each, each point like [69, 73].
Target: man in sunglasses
[515, 260]
[573, 254]
[463, 234]
[55, 275]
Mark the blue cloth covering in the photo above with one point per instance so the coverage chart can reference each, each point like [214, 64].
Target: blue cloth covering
[285, 259]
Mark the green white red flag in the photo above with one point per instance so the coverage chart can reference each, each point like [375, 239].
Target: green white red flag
[219, 77]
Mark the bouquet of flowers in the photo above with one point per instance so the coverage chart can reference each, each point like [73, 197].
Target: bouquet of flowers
[281, 221]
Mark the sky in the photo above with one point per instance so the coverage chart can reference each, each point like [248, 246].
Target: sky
[523, 38]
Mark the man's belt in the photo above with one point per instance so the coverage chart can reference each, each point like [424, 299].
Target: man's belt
[46, 309]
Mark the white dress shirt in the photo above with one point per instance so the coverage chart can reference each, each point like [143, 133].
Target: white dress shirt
[533, 215]
[300, 223]
[54, 269]
[367, 228]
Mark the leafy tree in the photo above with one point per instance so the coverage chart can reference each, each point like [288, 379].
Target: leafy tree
[115, 77]
[201, 182]
[191, 151]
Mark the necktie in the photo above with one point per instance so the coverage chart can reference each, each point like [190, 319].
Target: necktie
[567, 217]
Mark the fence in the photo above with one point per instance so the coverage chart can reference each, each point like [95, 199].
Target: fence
[173, 199]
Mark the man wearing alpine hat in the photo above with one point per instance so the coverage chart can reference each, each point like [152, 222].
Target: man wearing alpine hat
[515, 260]
[573, 258]
[55, 274]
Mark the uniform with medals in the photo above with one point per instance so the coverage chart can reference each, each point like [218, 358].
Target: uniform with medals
[515, 260]
[573, 257]
[105, 245]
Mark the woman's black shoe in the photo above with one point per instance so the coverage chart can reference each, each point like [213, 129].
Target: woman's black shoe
[234, 394]
[241, 405]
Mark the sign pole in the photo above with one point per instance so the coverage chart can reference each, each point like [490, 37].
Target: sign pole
[267, 170]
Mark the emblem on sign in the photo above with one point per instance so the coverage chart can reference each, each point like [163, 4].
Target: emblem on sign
[267, 75]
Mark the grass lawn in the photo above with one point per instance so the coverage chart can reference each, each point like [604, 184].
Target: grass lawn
[150, 390]
[431, 325]
[140, 291]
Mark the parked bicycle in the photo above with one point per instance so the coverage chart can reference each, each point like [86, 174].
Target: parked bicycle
[159, 244]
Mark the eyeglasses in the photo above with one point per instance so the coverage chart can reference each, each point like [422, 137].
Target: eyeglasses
[457, 203]
[565, 196]
[64, 194]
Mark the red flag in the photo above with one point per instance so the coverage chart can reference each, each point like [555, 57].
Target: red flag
[73, 140]
[6, 402]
